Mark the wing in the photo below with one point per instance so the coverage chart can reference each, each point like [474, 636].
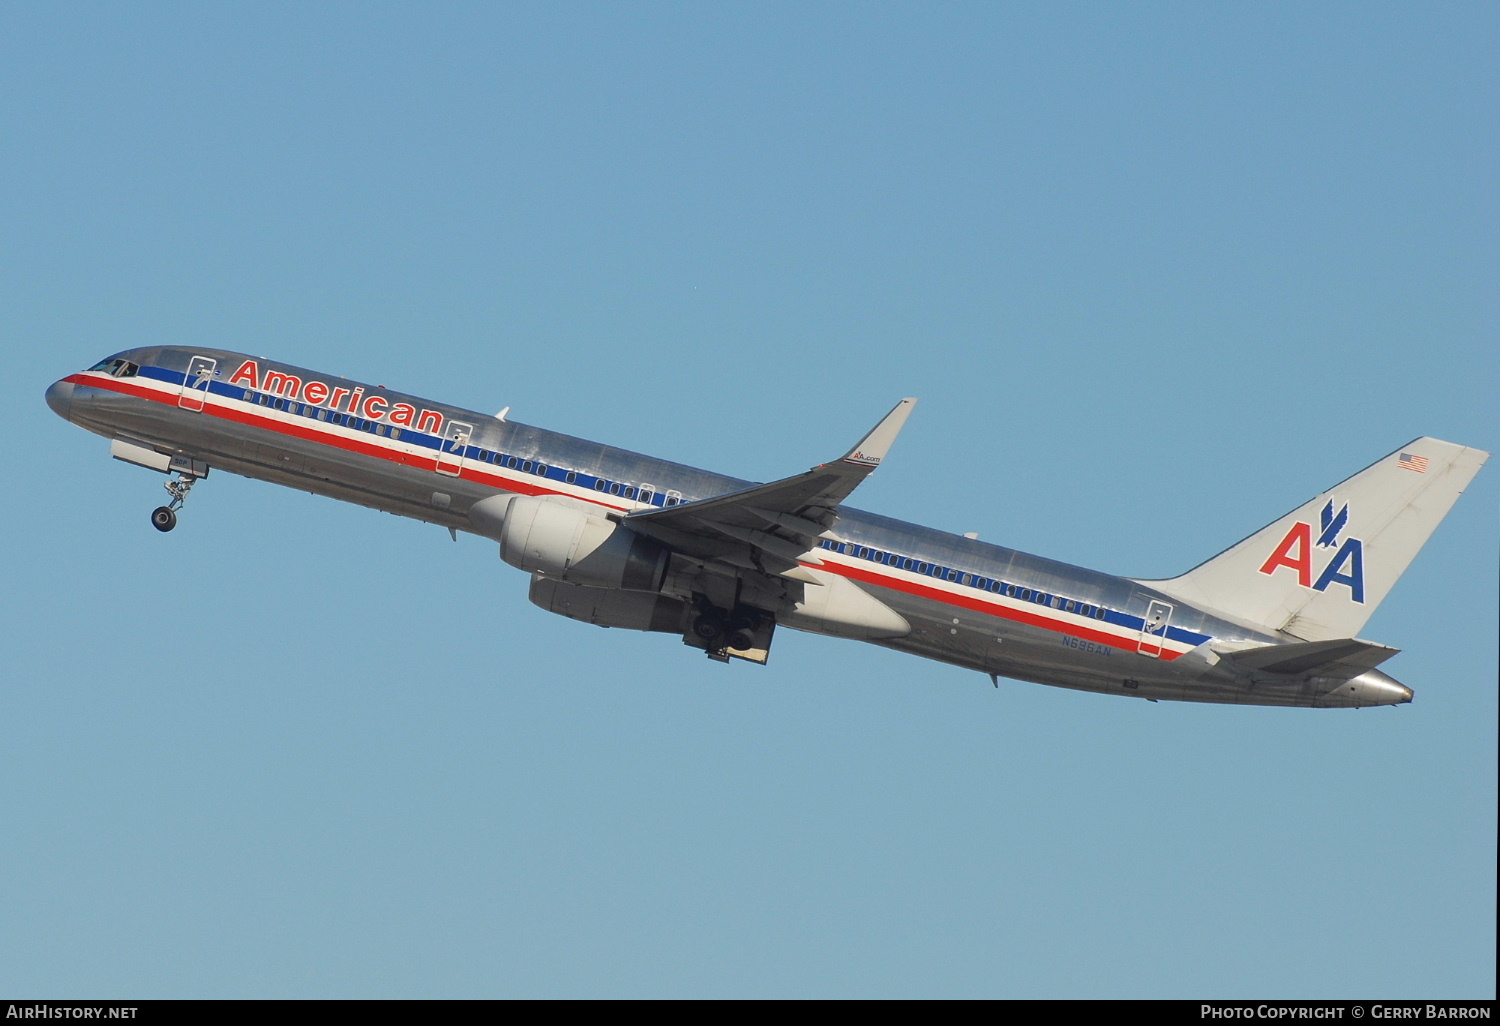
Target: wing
[772, 527]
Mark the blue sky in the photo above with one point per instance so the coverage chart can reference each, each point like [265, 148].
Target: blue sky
[1158, 272]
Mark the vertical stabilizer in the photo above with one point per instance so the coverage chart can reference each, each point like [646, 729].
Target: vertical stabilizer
[1320, 571]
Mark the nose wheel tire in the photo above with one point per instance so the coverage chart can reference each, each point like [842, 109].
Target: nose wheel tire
[163, 519]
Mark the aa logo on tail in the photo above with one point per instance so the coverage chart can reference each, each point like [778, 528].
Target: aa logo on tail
[1347, 567]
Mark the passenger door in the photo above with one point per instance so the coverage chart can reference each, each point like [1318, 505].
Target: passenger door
[195, 383]
[450, 458]
[1158, 616]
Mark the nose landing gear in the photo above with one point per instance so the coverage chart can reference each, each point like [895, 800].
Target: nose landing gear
[164, 518]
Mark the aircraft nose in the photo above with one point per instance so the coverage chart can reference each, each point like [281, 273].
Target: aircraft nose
[60, 397]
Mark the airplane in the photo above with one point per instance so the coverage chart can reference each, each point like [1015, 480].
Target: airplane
[619, 539]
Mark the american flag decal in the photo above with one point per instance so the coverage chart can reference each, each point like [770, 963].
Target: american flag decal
[1411, 461]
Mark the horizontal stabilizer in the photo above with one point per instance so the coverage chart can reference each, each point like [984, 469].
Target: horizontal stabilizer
[1341, 658]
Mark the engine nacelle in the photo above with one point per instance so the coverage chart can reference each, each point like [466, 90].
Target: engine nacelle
[607, 607]
[557, 540]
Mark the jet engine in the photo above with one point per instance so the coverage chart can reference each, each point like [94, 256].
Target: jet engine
[610, 607]
[543, 536]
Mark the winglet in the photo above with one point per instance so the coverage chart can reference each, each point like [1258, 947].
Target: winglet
[873, 447]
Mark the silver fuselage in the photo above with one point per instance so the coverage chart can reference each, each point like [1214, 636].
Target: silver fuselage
[969, 603]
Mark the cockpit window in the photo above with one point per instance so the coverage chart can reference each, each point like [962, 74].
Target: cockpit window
[117, 368]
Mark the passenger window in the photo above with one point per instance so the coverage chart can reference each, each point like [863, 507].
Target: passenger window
[526, 466]
[600, 484]
[541, 468]
[395, 432]
[571, 477]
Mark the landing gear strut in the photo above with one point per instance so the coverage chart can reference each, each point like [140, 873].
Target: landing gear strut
[164, 518]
